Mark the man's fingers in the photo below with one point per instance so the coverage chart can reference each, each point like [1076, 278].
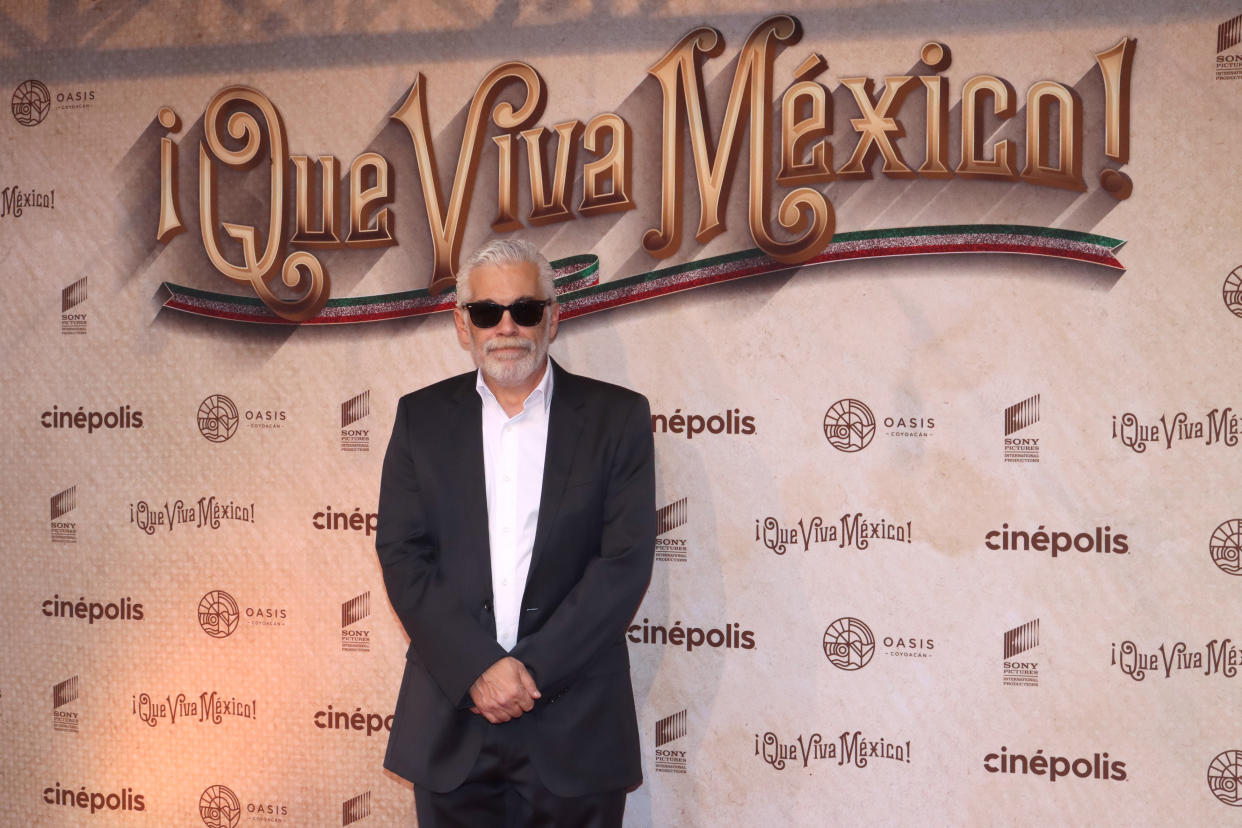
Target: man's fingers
[528, 683]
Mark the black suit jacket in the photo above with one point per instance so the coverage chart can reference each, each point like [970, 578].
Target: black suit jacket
[590, 565]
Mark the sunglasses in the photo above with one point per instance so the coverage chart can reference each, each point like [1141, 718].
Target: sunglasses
[524, 312]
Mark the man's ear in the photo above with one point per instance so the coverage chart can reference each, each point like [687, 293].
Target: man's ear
[463, 330]
[554, 317]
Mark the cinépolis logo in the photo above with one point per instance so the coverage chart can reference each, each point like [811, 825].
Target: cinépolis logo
[94, 801]
[1102, 540]
[854, 749]
[731, 637]
[730, 422]
[356, 720]
[207, 707]
[126, 609]
[356, 638]
[220, 807]
[207, 512]
[353, 436]
[1098, 766]
[855, 531]
[219, 418]
[667, 730]
[219, 614]
[1218, 657]
[1218, 427]
[672, 547]
[65, 693]
[72, 324]
[336, 520]
[124, 417]
[64, 531]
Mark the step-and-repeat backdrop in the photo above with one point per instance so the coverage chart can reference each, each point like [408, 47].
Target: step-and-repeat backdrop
[937, 310]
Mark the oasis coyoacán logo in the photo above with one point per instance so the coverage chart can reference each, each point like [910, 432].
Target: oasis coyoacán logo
[1226, 546]
[219, 418]
[219, 614]
[850, 425]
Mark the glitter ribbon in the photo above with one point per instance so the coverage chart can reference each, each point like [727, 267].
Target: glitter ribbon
[580, 292]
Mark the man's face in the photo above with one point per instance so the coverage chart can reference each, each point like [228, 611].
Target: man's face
[508, 353]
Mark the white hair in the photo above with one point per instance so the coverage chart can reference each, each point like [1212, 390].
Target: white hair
[506, 251]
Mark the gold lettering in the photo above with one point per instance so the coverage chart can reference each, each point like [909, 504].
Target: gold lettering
[936, 148]
[1067, 172]
[875, 127]
[805, 122]
[506, 185]
[170, 221]
[973, 165]
[1115, 66]
[548, 207]
[613, 167]
[325, 234]
[447, 221]
[364, 201]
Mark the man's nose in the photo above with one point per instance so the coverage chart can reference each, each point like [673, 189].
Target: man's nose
[506, 325]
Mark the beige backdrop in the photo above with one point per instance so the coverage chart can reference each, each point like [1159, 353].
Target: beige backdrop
[936, 347]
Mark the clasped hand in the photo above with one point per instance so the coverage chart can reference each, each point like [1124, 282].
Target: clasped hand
[505, 691]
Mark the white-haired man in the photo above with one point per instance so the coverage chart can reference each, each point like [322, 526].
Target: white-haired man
[516, 535]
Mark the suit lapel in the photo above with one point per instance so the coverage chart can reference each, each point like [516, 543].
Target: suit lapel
[464, 439]
[564, 428]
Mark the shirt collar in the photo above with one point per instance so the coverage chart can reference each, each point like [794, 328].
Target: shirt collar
[540, 395]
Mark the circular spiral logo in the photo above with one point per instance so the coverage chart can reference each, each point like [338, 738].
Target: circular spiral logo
[1226, 546]
[849, 425]
[1232, 291]
[219, 807]
[218, 614]
[31, 103]
[217, 418]
[849, 644]
[1223, 776]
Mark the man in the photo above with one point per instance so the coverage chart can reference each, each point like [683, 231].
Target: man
[516, 535]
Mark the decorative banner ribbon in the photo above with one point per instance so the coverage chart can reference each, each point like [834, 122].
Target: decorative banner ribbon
[580, 292]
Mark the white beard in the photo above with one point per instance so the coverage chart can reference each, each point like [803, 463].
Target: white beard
[507, 370]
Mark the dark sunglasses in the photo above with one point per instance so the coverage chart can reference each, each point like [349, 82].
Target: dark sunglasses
[524, 312]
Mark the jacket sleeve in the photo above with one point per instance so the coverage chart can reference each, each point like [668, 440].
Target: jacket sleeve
[450, 643]
[598, 609]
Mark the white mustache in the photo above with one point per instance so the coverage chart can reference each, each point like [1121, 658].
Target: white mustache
[508, 342]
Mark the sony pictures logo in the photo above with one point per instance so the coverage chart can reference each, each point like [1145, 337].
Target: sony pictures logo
[355, 809]
[670, 548]
[1228, 55]
[219, 418]
[64, 721]
[354, 638]
[71, 297]
[1021, 639]
[850, 425]
[1019, 416]
[668, 730]
[64, 531]
[1224, 777]
[219, 614]
[354, 437]
[1226, 547]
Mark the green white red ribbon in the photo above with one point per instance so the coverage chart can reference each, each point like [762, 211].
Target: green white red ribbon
[580, 292]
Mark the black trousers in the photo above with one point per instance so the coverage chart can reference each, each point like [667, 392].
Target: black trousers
[504, 791]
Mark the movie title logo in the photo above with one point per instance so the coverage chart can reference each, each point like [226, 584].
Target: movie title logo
[355, 809]
[1231, 291]
[94, 801]
[220, 807]
[353, 436]
[1228, 55]
[1020, 416]
[731, 637]
[1218, 657]
[342, 521]
[15, 200]
[670, 546]
[64, 531]
[207, 512]
[356, 638]
[1020, 672]
[1053, 157]
[124, 417]
[849, 749]
[1098, 766]
[731, 422]
[73, 324]
[1101, 540]
[219, 614]
[668, 730]
[854, 531]
[64, 693]
[208, 707]
[1219, 427]
[1226, 547]
[357, 720]
[1224, 777]
[126, 609]
[219, 418]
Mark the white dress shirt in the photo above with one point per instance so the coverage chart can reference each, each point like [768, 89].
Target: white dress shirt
[513, 453]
